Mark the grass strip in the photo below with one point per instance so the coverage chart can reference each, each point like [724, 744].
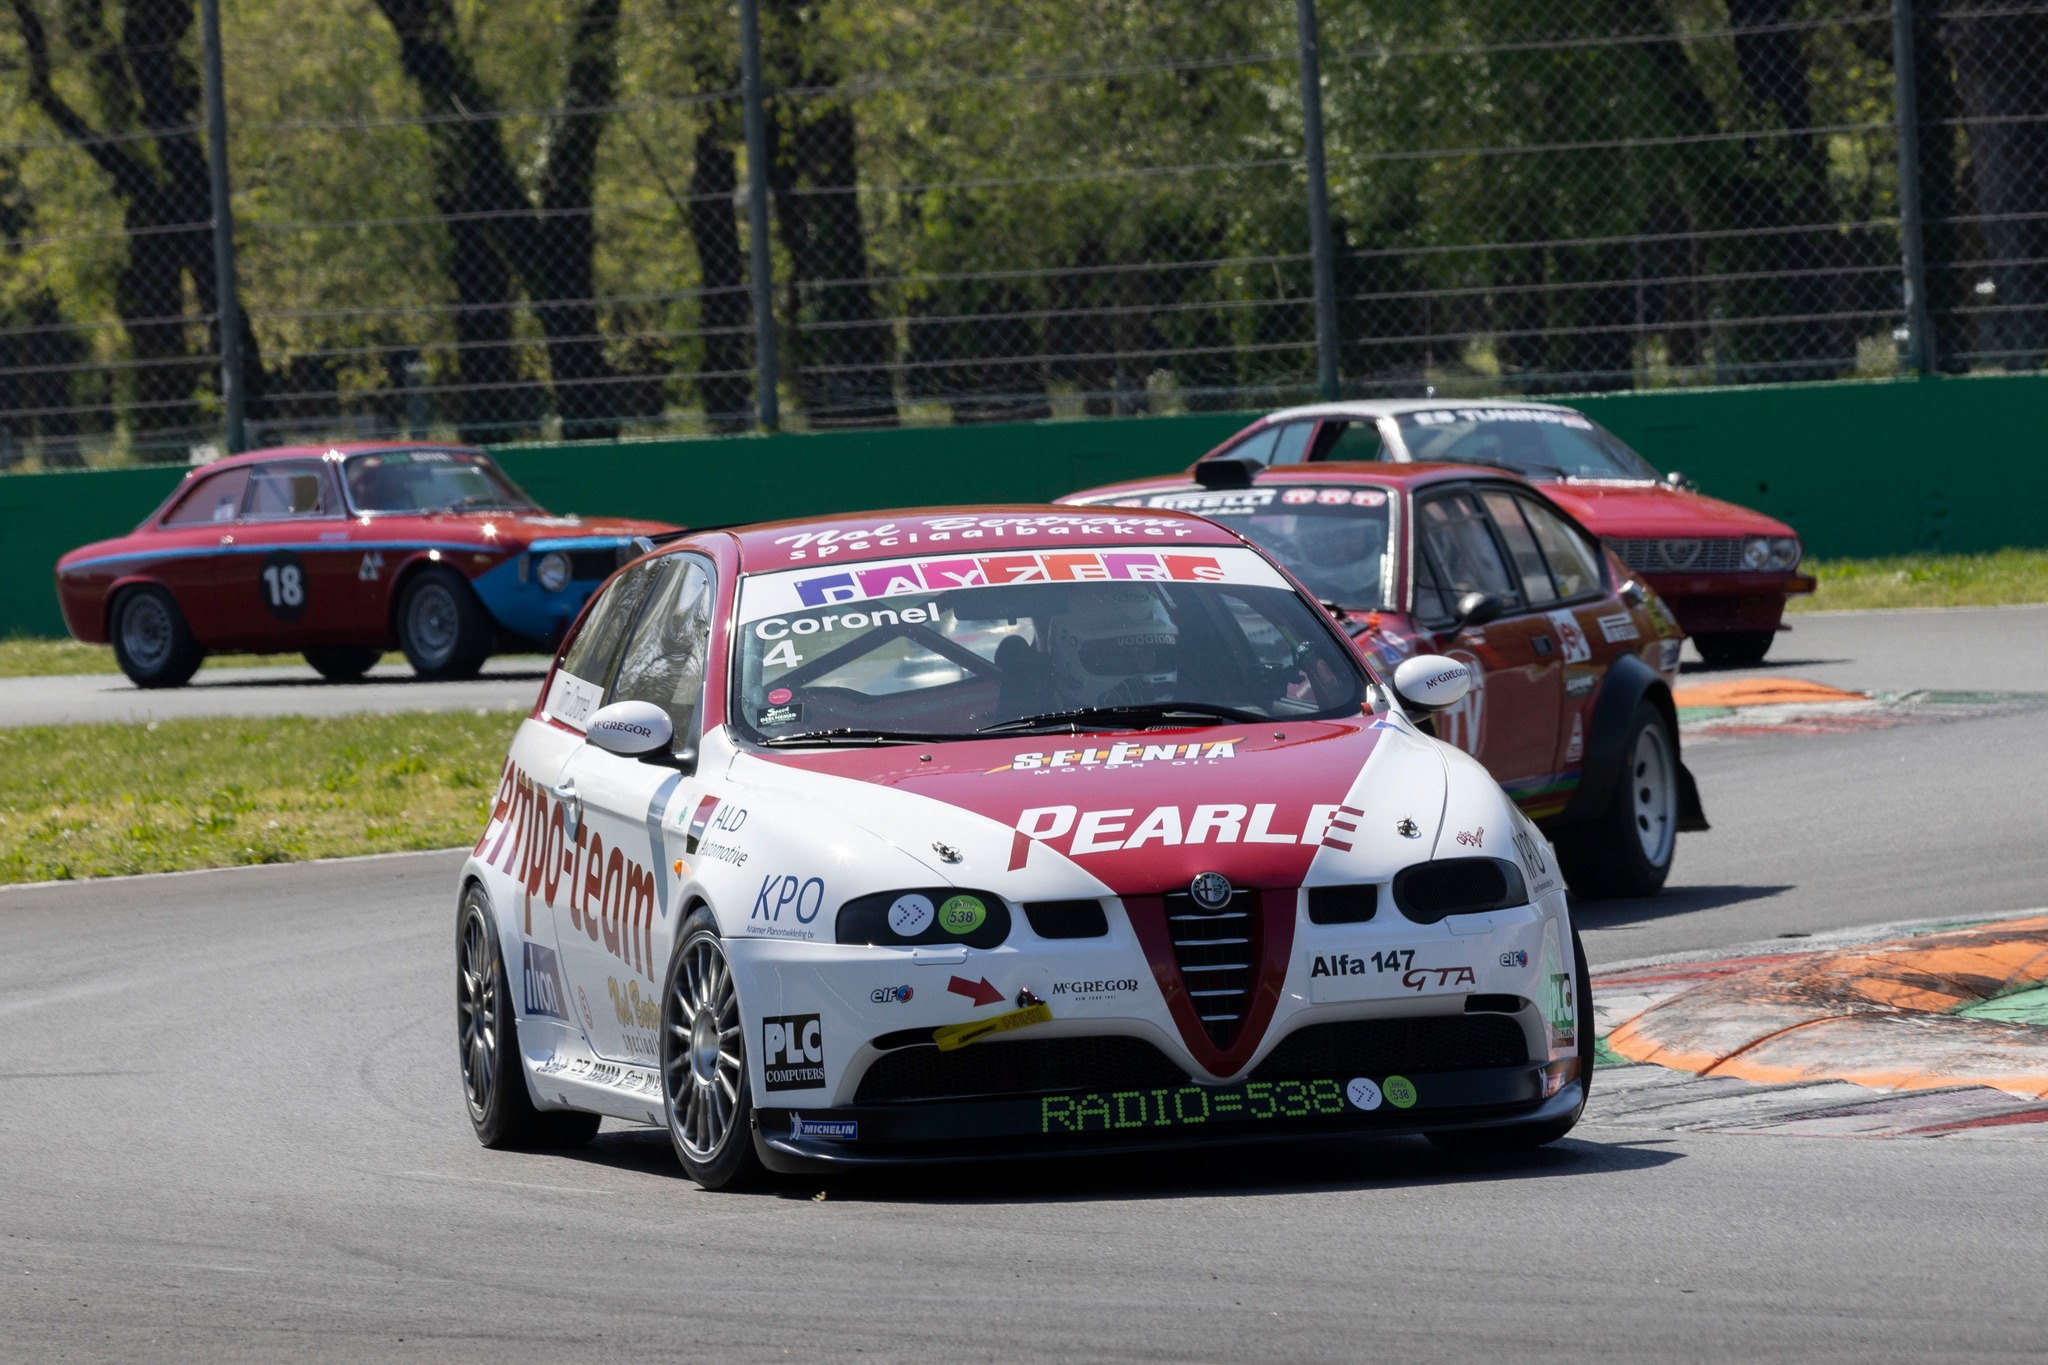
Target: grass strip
[168, 796]
[1999, 578]
[22, 657]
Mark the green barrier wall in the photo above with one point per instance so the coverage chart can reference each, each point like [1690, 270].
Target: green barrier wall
[1875, 468]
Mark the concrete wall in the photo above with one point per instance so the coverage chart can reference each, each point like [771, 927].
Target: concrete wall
[1873, 468]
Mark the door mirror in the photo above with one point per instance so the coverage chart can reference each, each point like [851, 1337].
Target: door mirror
[1227, 471]
[1430, 682]
[631, 728]
[1476, 609]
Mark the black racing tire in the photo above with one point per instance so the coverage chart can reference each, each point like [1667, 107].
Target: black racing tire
[343, 663]
[707, 1094]
[152, 643]
[1734, 648]
[501, 1109]
[1520, 1137]
[1628, 849]
[442, 628]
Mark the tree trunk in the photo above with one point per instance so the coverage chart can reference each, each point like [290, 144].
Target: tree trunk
[725, 305]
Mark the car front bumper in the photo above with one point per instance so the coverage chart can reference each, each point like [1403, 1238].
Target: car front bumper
[1713, 603]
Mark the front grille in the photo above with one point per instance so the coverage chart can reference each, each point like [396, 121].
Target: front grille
[1218, 952]
[1024, 1067]
[1380, 1047]
[1693, 554]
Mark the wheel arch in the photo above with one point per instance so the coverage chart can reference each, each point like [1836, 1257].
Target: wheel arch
[1628, 683]
[415, 564]
[128, 583]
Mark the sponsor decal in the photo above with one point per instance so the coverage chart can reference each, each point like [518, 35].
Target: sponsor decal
[611, 895]
[1341, 829]
[1578, 684]
[1078, 833]
[372, 567]
[962, 914]
[802, 897]
[636, 1079]
[1362, 1093]
[807, 545]
[1092, 990]
[793, 1052]
[583, 1003]
[981, 992]
[1529, 847]
[911, 914]
[1447, 978]
[780, 715]
[1124, 755]
[1462, 724]
[1474, 838]
[542, 976]
[1667, 655]
[891, 995]
[783, 628]
[1518, 958]
[981, 571]
[1573, 639]
[1576, 748]
[1450, 416]
[1343, 964]
[639, 1016]
[1400, 1092]
[715, 816]
[1619, 626]
[1560, 1001]
[1166, 1107]
[571, 699]
[835, 1130]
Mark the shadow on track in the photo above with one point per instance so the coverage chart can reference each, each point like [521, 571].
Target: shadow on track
[1676, 900]
[1761, 666]
[1278, 1168]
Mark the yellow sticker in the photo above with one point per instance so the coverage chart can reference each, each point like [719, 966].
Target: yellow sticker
[953, 1037]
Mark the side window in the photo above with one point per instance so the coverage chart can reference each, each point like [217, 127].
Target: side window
[1455, 535]
[1530, 569]
[666, 657]
[1574, 561]
[1257, 446]
[1429, 594]
[1291, 446]
[596, 647]
[1352, 440]
[217, 497]
[288, 488]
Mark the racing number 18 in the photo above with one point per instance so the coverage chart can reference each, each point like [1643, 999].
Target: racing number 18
[284, 585]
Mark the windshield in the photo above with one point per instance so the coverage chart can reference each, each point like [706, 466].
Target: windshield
[430, 481]
[945, 648]
[1539, 441]
[1334, 539]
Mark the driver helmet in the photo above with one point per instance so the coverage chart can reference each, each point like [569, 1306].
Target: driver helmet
[1113, 645]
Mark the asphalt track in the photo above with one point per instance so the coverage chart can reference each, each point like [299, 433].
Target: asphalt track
[230, 1128]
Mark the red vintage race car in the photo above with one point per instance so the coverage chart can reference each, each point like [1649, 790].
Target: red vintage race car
[1572, 658]
[341, 553]
[1724, 571]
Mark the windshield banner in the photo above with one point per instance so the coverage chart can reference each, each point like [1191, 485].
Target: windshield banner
[797, 590]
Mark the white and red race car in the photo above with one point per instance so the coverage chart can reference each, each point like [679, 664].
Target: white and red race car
[945, 834]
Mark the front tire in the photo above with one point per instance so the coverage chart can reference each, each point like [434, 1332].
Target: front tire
[442, 627]
[1627, 850]
[1734, 648]
[487, 1045]
[705, 1088]
[342, 663]
[1520, 1137]
[152, 643]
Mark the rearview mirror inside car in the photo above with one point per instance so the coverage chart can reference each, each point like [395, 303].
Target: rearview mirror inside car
[1430, 682]
[631, 728]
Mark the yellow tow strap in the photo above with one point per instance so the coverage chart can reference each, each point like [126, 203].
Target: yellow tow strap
[955, 1036]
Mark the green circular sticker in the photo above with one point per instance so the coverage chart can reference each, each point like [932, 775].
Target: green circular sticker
[1400, 1092]
[962, 914]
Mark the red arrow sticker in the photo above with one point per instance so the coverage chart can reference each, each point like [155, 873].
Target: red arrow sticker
[980, 992]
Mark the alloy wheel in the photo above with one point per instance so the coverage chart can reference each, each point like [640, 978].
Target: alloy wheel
[705, 1059]
[476, 1001]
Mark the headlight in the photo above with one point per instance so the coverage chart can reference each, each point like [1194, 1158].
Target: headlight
[1426, 892]
[553, 571]
[1784, 553]
[1756, 554]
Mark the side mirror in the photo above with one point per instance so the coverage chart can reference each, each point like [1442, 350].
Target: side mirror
[1227, 471]
[1679, 482]
[630, 728]
[1430, 682]
[1476, 609]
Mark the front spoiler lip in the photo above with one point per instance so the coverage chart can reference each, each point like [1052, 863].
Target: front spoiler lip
[798, 1156]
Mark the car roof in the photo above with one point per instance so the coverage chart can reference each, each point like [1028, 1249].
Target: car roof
[911, 532]
[1394, 407]
[328, 448]
[1405, 475]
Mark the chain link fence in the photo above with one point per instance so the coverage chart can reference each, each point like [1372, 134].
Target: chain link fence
[523, 221]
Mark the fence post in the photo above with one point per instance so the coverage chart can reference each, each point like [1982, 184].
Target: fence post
[1322, 254]
[1919, 327]
[766, 403]
[227, 307]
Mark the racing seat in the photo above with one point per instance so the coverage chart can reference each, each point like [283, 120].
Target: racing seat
[1027, 679]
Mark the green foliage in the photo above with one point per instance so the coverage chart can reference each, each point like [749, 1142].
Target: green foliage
[2001, 578]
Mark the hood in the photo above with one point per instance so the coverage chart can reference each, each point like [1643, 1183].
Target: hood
[1143, 813]
[1647, 510]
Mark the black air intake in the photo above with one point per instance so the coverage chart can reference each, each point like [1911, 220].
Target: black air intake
[1458, 886]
